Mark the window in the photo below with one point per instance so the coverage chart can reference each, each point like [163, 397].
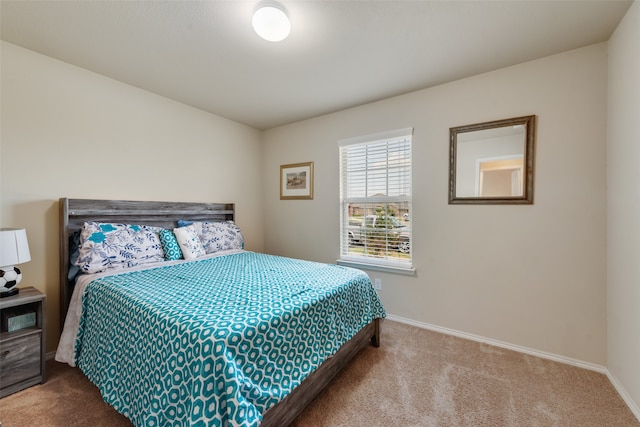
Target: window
[375, 200]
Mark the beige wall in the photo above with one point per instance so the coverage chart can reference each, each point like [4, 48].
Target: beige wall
[532, 276]
[67, 132]
[623, 213]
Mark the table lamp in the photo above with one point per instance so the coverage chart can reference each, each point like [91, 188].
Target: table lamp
[14, 249]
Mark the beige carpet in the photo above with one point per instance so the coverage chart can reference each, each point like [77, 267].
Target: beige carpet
[416, 378]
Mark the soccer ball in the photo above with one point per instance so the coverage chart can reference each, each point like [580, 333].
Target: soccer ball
[9, 278]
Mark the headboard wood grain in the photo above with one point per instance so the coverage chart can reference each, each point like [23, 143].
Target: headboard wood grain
[75, 212]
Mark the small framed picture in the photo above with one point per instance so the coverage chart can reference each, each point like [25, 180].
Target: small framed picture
[296, 181]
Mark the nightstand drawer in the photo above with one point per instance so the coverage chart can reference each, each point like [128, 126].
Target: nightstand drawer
[20, 359]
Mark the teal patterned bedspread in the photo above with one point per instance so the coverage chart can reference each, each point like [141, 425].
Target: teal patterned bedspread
[217, 342]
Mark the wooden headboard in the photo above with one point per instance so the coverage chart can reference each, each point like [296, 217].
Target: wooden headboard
[74, 213]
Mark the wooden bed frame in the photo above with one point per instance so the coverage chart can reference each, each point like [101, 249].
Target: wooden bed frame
[73, 214]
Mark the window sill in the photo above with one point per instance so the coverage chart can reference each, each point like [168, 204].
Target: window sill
[409, 271]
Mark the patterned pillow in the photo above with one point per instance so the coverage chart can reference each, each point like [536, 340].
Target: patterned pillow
[106, 246]
[219, 236]
[189, 242]
[170, 245]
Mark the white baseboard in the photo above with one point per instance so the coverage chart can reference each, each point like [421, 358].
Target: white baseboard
[624, 394]
[543, 354]
[502, 344]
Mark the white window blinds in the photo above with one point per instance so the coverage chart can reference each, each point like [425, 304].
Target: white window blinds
[375, 199]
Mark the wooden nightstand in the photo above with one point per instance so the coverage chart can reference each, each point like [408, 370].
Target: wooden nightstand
[22, 351]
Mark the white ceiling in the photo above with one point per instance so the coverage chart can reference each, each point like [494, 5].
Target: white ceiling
[339, 54]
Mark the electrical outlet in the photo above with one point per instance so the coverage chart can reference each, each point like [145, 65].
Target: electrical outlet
[377, 284]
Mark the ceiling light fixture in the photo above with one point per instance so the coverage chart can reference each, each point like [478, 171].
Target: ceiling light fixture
[270, 21]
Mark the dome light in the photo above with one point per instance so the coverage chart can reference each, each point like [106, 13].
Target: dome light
[270, 21]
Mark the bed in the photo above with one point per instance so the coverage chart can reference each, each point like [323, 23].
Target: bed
[212, 340]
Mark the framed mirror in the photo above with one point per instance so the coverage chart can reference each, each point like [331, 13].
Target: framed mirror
[492, 162]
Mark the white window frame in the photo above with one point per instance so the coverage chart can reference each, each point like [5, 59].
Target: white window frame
[389, 260]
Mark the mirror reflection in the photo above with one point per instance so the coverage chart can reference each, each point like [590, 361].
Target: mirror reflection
[492, 162]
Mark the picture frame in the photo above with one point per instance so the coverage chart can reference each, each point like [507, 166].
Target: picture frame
[296, 181]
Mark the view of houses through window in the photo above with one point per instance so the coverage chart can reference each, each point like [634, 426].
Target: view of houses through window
[375, 198]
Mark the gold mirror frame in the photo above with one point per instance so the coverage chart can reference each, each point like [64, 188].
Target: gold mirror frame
[527, 162]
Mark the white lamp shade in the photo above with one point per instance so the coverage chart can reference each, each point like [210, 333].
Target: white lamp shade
[14, 248]
[270, 21]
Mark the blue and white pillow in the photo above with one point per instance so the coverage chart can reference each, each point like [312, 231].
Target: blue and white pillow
[170, 245]
[189, 242]
[106, 246]
[219, 236]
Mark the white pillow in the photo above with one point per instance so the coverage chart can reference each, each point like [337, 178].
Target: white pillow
[189, 242]
[219, 236]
